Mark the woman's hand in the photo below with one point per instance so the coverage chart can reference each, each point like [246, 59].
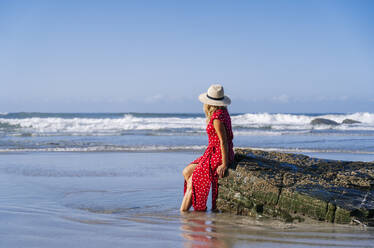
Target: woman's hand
[221, 170]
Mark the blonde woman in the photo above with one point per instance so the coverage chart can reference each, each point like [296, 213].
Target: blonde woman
[205, 170]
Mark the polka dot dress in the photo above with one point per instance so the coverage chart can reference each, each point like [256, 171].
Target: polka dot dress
[205, 173]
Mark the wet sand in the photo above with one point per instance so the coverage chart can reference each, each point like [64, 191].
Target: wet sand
[112, 199]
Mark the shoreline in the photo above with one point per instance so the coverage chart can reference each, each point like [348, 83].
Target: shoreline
[331, 155]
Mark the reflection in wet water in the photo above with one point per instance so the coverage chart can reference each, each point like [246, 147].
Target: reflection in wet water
[200, 232]
[53, 208]
[201, 229]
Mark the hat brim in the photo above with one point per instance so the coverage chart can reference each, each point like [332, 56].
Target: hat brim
[224, 102]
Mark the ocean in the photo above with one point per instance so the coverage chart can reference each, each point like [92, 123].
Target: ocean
[114, 179]
[88, 132]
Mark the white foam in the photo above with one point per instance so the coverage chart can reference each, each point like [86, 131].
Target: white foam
[269, 119]
[90, 125]
[107, 148]
[257, 133]
[157, 148]
[301, 122]
[245, 123]
[306, 150]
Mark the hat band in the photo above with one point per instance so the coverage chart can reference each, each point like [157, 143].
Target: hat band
[213, 98]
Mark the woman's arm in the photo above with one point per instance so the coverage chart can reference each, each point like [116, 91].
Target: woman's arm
[221, 132]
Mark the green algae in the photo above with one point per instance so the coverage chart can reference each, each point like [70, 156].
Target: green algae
[291, 187]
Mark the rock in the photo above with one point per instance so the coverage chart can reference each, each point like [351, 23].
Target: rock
[323, 121]
[350, 121]
[293, 187]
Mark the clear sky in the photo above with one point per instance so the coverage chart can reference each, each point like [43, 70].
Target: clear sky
[158, 56]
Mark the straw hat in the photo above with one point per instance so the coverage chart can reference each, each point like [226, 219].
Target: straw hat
[215, 96]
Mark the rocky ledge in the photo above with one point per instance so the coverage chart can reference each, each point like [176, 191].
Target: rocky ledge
[293, 187]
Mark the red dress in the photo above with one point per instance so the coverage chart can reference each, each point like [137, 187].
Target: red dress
[205, 172]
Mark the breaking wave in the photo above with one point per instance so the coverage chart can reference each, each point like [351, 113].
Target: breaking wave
[153, 124]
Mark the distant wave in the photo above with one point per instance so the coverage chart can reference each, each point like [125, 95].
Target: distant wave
[157, 148]
[99, 126]
[306, 150]
[108, 148]
[243, 124]
[3, 113]
[281, 120]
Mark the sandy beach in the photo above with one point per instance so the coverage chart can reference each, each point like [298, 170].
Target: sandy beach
[112, 199]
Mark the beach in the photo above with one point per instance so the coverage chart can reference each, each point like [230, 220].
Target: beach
[103, 104]
[116, 199]
[114, 180]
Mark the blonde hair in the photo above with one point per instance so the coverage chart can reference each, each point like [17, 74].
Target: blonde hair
[209, 110]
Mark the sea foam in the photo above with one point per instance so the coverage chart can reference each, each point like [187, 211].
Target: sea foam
[268, 124]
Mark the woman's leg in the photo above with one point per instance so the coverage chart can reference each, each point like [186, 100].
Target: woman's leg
[187, 199]
[187, 172]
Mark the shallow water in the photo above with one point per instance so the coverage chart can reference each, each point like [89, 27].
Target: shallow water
[121, 199]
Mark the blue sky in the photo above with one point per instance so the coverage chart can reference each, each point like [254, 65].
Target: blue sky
[158, 56]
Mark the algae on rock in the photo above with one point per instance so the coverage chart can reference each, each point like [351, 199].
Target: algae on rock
[293, 186]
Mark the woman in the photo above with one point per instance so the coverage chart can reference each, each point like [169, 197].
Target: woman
[205, 170]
